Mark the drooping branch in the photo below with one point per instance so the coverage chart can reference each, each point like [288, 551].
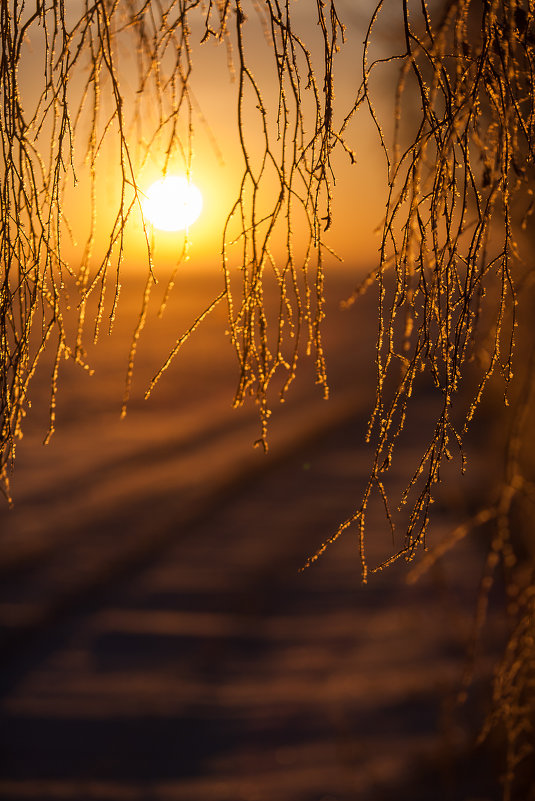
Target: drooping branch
[87, 110]
[460, 172]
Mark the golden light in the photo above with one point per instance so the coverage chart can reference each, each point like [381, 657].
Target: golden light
[172, 203]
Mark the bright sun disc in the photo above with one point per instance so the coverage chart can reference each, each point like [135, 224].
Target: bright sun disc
[172, 203]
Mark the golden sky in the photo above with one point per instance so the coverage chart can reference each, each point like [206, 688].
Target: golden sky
[217, 166]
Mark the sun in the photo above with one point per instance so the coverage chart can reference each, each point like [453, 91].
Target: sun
[172, 203]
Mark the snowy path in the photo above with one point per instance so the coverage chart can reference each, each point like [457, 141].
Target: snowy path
[161, 642]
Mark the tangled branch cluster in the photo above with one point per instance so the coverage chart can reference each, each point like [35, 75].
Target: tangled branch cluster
[84, 106]
[460, 190]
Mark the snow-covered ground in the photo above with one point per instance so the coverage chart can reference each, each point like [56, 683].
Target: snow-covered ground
[160, 640]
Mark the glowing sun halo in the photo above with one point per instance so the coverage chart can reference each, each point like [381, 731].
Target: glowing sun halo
[172, 203]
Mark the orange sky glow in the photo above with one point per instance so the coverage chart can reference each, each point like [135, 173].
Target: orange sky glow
[217, 164]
